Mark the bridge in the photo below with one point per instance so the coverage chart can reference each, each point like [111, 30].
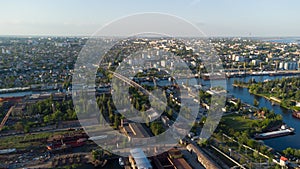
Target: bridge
[6, 117]
[134, 84]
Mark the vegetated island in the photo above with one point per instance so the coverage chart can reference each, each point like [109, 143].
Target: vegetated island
[285, 91]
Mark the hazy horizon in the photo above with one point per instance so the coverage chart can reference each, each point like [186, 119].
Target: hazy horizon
[88, 36]
[216, 18]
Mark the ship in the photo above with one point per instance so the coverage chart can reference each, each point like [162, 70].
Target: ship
[296, 114]
[283, 131]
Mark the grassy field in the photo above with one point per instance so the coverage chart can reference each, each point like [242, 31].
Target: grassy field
[27, 141]
[238, 122]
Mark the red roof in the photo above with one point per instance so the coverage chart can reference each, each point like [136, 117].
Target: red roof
[283, 158]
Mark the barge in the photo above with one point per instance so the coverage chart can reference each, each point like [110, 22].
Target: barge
[283, 131]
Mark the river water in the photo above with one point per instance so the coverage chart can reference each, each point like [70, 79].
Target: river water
[279, 143]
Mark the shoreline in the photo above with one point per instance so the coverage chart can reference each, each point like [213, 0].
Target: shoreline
[271, 98]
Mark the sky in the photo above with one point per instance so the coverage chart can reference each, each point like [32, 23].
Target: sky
[255, 18]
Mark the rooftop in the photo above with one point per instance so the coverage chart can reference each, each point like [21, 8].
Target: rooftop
[140, 158]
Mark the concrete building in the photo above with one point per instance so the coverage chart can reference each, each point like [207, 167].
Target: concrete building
[166, 121]
[204, 159]
[239, 58]
[255, 62]
[293, 66]
[286, 66]
[280, 65]
[163, 63]
[290, 66]
[283, 161]
[139, 160]
[268, 60]
[232, 57]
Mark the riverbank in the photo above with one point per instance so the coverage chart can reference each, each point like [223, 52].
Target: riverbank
[270, 98]
[280, 143]
[259, 73]
[241, 85]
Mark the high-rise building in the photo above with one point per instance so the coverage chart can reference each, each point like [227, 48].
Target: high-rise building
[281, 65]
[163, 63]
[290, 66]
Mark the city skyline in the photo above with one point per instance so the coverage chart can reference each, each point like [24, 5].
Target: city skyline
[215, 18]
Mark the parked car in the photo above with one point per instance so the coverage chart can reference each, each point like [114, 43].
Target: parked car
[191, 134]
[195, 138]
[121, 161]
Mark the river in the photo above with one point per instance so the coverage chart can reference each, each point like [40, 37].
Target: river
[284, 40]
[279, 143]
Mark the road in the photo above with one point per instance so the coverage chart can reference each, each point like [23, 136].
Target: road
[245, 146]
[6, 117]
[191, 159]
[225, 155]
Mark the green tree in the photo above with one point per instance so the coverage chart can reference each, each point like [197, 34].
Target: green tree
[19, 126]
[47, 119]
[170, 113]
[117, 121]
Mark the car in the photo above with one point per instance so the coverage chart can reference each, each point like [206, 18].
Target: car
[121, 161]
[191, 134]
[195, 138]
[184, 141]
